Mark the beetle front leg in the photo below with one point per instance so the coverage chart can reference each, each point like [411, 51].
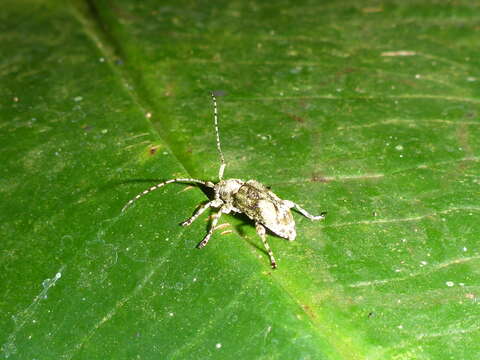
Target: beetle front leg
[262, 233]
[197, 213]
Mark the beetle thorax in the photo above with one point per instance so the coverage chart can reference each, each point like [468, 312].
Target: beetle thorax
[225, 189]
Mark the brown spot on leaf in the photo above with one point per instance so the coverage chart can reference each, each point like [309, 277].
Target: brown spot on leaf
[87, 127]
[463, 136]
[309, 311]
[317, 177]
[370, 10]
[297, 118]
[169, 89]
[344, 71]
[153, 149]
[471, 115]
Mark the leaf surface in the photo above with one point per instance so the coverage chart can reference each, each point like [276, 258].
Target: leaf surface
[368, 113]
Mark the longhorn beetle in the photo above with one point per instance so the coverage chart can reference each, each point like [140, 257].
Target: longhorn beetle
[250, 197]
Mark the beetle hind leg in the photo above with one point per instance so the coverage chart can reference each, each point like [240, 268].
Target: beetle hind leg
[305, 212]
[262, 233]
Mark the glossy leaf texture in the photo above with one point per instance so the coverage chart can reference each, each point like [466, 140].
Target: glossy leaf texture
[369, 111]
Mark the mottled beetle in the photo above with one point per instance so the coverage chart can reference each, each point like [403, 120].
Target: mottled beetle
[250, 197]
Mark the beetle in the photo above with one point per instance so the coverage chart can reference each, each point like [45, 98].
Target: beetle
[251, 198]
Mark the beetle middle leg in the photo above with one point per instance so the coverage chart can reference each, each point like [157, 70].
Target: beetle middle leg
[262, 233]
[212, 228]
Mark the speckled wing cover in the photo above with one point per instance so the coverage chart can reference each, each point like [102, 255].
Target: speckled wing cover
[260, 204]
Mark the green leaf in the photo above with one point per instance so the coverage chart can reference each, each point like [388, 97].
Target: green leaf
[367, 112]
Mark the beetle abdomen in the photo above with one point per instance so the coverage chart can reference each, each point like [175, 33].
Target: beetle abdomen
[260, 204]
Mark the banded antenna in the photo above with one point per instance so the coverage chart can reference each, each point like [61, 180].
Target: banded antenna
[222, 159]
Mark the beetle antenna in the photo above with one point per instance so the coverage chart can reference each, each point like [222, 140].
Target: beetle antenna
[215, 118]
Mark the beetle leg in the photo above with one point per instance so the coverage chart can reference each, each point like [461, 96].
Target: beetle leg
[197, 213]
[212, 228]
[304, 212]
[262, 233]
